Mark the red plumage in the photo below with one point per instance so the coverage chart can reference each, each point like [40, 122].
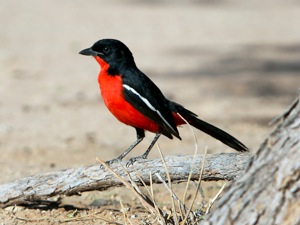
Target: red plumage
[112, 94]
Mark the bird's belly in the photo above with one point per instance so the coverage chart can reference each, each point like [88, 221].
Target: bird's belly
[111, 91]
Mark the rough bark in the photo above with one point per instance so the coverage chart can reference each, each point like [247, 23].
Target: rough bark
[46, 189]
[269, 190]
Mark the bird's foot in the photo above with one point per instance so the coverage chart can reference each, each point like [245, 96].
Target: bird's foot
[110, 162]
[134, 159]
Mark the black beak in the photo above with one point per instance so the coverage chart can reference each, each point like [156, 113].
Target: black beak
[88, 51]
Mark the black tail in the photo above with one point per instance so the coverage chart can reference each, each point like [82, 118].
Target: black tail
[219, 134]
[209, 129]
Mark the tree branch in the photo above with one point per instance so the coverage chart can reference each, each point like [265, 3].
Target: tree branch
[47, 189]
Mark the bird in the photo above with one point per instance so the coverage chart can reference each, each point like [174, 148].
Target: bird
[135, 100]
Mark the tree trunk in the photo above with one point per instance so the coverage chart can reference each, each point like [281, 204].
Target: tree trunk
[269, 190]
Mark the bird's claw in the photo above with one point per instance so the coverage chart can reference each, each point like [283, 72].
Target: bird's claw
[134, 159]
[110, 162]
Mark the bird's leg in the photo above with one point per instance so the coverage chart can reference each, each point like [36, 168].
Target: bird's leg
[146, 153]
[140, 133]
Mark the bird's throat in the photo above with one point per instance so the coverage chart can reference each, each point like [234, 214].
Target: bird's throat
[104, 65]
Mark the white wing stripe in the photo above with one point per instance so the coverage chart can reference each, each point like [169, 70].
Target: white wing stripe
[147, 103]
[141, 97]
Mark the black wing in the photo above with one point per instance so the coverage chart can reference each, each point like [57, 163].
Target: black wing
[146, 97]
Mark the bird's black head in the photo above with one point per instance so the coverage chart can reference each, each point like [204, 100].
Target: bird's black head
[112, 51]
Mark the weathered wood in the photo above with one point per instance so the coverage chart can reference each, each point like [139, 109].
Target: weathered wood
[46, 189]
[269, 190]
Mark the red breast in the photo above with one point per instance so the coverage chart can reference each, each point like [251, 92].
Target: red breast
[112, 94]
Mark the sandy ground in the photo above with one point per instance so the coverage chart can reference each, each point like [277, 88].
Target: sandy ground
[234, 64]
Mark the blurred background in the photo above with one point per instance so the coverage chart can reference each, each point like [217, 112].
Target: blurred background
[234, 63]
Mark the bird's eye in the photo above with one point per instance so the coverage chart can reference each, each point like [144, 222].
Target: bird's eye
[106, 50]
